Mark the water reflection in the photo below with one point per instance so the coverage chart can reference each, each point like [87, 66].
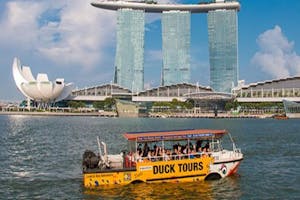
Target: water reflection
[227, 188]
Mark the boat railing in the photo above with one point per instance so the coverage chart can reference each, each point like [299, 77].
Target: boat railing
[226, 154]
[131, 160]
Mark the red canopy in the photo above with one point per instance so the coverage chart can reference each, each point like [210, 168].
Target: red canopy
[202, 134]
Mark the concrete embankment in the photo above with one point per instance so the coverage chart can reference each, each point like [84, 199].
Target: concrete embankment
[96, 114]
[206, 115]
[152, 115]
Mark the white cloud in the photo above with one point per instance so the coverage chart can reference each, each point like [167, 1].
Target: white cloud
[76, 35]
[276, 55]
[66, 32]
[18, 23]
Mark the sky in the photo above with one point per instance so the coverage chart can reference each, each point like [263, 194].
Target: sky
[73, 40]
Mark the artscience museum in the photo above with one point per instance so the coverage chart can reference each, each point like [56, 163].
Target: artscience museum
[40, 90]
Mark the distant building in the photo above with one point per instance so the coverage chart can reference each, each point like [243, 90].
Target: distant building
[292, 109]
[40, 90]
[176, 47]
[223, 49]
[176, 28]
[269, 91]
[127, 108]
[129, 61]
[203, 98]
[100, 93]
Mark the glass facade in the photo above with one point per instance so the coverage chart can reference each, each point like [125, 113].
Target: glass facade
[223, 49]
[176, 47]
[129, 61]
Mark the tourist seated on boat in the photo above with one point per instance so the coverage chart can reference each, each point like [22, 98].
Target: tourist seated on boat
[139, 148]
[153, 157]
[195, 147]
[198, 144]
[199, 149]
[187, 150]
[206, 145]
[179, 149]
[130, 160]
[198, 152]
[166, 155]
[191, 153]
[138, 157]
[190, 146]
[174, 146]
[147, 158]
[157, 152]
[156, 149]
[174, 154]
[206, 151]
[146, 149]
[160, 153]
[184, 149]
[179, 153]
[169, 152]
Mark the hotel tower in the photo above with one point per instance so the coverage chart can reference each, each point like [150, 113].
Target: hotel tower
[129, 60]
[176, 47]
[223, 51]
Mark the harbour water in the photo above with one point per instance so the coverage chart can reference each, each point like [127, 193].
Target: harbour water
[41, 158]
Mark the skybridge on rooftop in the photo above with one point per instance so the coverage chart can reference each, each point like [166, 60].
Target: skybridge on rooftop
[154, 7]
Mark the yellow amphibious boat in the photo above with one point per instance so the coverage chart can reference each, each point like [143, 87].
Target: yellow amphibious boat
[163, 156]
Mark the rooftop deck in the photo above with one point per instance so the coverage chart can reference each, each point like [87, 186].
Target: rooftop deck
[158, 8]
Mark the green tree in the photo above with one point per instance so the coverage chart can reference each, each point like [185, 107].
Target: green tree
[98, 104]
[76, 104]
[109, 103]
[228, 106]
[189, 103]
[231, 105]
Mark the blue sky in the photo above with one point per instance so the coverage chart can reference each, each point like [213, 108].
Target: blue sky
[75, 41]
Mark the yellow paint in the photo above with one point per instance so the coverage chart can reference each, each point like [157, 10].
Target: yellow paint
[186, 170]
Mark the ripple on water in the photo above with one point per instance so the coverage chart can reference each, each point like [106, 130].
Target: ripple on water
[41, 158]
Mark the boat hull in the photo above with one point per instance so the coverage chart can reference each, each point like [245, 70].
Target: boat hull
[187, 170]
[226, 168]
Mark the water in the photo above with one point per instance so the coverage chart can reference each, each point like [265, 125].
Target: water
[41, 158]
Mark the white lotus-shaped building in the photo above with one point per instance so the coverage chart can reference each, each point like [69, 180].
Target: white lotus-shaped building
[39, 89]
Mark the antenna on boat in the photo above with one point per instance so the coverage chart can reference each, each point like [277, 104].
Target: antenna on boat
[103, 158]
[233, 143]
[99, 147]
[105, 151]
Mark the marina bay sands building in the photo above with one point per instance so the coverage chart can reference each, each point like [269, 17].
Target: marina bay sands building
[129, 61]
[176, 47]
[222, 38]
[176, 30]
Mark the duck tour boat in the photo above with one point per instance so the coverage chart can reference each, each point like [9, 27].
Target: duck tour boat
[163, 156]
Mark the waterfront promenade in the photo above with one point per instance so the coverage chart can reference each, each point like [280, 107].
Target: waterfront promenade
[208, 115]
[47, 113]
[151, 115]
